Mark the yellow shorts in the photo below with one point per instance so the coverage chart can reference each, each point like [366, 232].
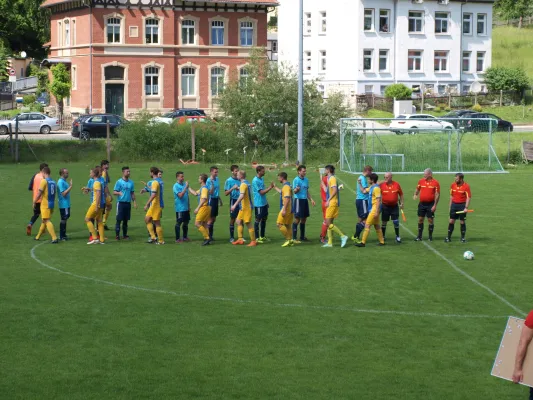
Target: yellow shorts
[204, 214]
[372, 219]
[154, 213]
[94, 213]
[332, 212]
[285, 220]
[245, 216]
[46, 213]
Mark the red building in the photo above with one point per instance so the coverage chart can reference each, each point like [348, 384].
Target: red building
[128, 55]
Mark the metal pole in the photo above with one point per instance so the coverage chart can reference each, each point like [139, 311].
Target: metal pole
[193, 143]
[301, 85]
[286, 142]
[108, 145]
[17, 139]
[11, 150]
[490, 142]
[508, 145]
[449, 151]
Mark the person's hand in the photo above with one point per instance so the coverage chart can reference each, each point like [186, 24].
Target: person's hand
[518, 376]
[415, 197]
[232, 208]
[146, 208]
[33, 206]
[135, 204]
[359, 180]
[327, 203]
[235, 187]
[313, 202]
[186, 185]
[71, 182]
[401, 206]
[120, 194]
[433, 208]
[196, 210]
[143, 190]
[465, 210]
[220, 202]
[272, 184]
[283, 212]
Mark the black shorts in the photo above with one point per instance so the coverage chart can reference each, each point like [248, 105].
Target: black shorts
[233, 214]
[123, 211]
[390, 213]
[362, 208]
[65, 213]
[183, 216]
[261, 212]
[301, 208]
[424, 210]
[213, 203]
[457, 207]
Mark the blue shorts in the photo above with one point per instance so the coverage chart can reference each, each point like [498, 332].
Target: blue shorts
[362, 208]
[65, 213]
[213, 203]
[301, 208]
[123, 211]
[183, 216]
[261, 212]
[233, 214]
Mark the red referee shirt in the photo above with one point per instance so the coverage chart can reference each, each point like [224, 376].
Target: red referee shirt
[529, 320]
[390, 193]
[460, 193]
[428, 189]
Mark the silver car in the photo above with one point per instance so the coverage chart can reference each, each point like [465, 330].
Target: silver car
[31, 122]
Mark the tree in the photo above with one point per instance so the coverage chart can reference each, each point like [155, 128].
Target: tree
[514, 9]
[60, 85]
[398, 91]
[4, 64]
[506, 78]
[43, 82]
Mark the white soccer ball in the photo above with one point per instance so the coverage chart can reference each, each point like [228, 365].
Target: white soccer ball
[468, 255]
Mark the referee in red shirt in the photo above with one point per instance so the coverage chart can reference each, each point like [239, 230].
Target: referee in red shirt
[460, 196]
[525, 339]
[391, 191]
[429, 191]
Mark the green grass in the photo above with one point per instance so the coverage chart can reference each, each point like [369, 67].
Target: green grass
[511, 47]
[264, 323]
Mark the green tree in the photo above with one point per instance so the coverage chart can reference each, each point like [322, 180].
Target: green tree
[60, 85]
[506, 78]
[398, 91]
[514, 9]
[42, 81]
[4, 64]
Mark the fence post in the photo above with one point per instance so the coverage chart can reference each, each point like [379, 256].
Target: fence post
[475, 98]
[449, 100]
[286, 142]
[108, 145]
[508, 145]
[501, 98]
[11, 140]
[373, 101]
[17, 139]
[423, 101]
[193, 142]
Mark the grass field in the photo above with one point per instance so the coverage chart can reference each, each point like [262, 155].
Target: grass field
[511, 47]
[130, 321]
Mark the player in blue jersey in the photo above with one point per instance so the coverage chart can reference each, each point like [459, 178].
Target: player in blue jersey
[259, 192]
[125, 191]
[46, 195]
[181, 191]
[373, 212]
[232, 189]
[213, 184]
[302, 197]
[63, 194]
[361, 202]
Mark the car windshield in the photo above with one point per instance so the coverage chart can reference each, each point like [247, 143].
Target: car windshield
[400, 117]
[168, 115]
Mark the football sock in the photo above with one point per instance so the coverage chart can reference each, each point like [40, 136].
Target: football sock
[380, 236]
[63, 228]
[251, 231]
[51, 230]
[336, 230]
[151, 230]
[231, 231]
[263, 227]
[324, 230]
[284, 231]
[104, 220]
[330, 236]
[92, 231]
[204, 232]
[366, 232]
[210, 230]
[450, 230]
[101, 231]
[396, 228]
[430, 230]
[294, 230]
[384, 229]
[41, 231]
[177, 228]
[302, 230]
[185, 230]
[159, 230]
[240, 231]
[125, 228]
[256, 228]
[463, 230]
[420, 230]
[117, 228]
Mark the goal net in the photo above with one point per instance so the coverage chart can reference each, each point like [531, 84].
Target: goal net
[412, 144]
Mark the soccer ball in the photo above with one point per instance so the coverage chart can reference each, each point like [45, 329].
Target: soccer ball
[468, 255]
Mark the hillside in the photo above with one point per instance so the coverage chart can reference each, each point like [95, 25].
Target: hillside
[513, 47]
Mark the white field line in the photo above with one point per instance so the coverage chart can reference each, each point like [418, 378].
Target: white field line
[455, 267]
[261, 303]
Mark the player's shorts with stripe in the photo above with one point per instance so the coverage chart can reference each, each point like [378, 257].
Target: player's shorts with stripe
[457, 207]
[245, 215]
[204, 214]
[372, 219]
[261, 212]
[285, 220]
[123, 211]
[390, 212]
[233, 214]
[301, 208]
[332, 212]
[362, 208]
[213, 203]
[183, 216]
[424, 210]
[65, 213]
[46, 213]
[155, 212]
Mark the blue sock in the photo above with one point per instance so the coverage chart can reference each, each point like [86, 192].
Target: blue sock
[232, 231]
[294, 230]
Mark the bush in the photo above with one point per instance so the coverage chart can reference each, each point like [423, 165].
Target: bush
[506, 78]
[477, 108]
[28, 100]
[398, 91]
[436, 109]
[447, 109]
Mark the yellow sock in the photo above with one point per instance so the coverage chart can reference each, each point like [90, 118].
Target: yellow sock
[380, 236]
[337, 230]
[330, 236]
[92, 231]
[150, 228]
[204, 232]
[365, 235]
[159, 230]
[252, 234]
[283, 230]
[101, 231]
[105, 217]
[51, 230]
[41, 231]
[240, 231]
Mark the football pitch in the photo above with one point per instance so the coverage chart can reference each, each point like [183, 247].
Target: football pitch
[135, 321]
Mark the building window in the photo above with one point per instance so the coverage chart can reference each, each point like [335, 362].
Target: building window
[367, 59]
[416, 21]
[67, 33]
[188, 81]
[59, 34]
[467, 89]
[243, 77]
[441, 61]
[369, 20]
[441, 89]
[382, 89]
[307, 23]
[467, 24]
[383, 60]
[217, 33]
[74, 32]
[466, 61]
[480, 66]
[384, 21]
[307, 61]
[151, 81]
[74, 77]
[152, 31]
[369, 89]
[323, 22]
[217, 80]
[274, 46]
[441, 22]
[188, 32]
[113, 30]
[322, 61]
[482, 24]
[414, 61]
[247, 33]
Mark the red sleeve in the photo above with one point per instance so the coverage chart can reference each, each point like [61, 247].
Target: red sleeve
[418, 185]
[529, 320]
[400, 191]
[468, 191]
[437, 184]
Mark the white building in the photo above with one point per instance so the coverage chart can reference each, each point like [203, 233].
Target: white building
[362, 46]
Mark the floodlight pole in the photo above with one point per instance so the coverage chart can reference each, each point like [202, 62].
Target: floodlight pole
[301, 85]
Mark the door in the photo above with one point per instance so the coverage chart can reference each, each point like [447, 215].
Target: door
[114, 99]
[24, 120]
[35, 123]
[97, 126]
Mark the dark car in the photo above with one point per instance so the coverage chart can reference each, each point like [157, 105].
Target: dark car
[485, 122]
[95, 126]
[185, 112]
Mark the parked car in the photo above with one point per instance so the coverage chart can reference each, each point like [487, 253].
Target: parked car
[182, 112]
[453, 115]
[31, 122]
[95, 126]
[487, 122]
[414, 123]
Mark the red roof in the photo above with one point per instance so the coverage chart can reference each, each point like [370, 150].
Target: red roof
[49, 3]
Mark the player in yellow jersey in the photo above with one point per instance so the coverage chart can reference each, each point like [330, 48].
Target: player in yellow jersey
[374, 199]
[104, 167]
[245, 205]
[332, 207]
[46, 196]
[203, 211]
[154, 208]
[96, 209]
[286, 215]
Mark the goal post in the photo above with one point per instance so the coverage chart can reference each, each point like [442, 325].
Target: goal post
[400, 145]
